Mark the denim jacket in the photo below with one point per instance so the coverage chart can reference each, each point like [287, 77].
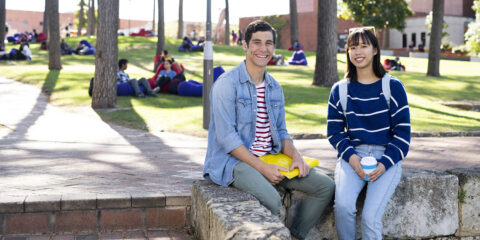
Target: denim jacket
[233, 106]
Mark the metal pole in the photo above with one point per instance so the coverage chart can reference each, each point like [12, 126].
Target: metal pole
[153, 21]
[207, 68]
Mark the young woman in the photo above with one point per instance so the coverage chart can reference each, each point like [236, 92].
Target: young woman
[368, 115]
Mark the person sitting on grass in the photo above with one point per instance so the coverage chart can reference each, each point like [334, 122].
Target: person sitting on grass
[122, 77]
[65, 49]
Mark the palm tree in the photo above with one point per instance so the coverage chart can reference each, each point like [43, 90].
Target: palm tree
[91, 18]
[326, 63]
[227, 25]
[161, 29]
[180, 20]
[435, 39]
[54, 62]
[105, 83]
[2, 21]
[81, 19]
[293, 21]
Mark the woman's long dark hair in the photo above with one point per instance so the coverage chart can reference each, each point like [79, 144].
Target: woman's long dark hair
[369, 38]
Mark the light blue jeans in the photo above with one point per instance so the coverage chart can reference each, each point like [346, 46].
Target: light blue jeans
[348, 186]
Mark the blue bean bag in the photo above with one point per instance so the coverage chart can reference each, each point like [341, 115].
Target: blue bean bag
[125, 89]
[183, 49]
[217, 72]
[298, 58]
[91, 49]
[190, 88]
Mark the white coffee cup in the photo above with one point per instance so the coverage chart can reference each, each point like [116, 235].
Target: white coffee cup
[368, 164]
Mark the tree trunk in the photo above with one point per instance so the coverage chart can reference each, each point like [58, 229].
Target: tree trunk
[153, 21]
[161, 29]
[293, 22]
[54, 62]
[227, 24]
[2, 21]
[106, 55]
[180, 20]
[385, 37]
[91, 18]
[435, 39]
[80, 19]
[45, 19]
[326, 62]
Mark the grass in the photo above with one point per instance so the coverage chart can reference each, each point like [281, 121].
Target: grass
[306, 105]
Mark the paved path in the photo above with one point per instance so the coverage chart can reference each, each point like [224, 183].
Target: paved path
[53, 150]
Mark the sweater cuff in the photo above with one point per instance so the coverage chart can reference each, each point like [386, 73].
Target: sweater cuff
[386, 163]
[348, 154]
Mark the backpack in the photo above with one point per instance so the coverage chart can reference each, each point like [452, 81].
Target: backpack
[343, 91]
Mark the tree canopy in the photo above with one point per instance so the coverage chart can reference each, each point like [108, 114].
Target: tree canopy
[377, 13]
[472, 36]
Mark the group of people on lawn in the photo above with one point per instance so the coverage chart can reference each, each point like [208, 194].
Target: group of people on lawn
[247, 122]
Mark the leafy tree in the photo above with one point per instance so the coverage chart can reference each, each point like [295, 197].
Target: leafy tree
[435, 39]
[161, 28]
[104, 93]
[326, 61]
[54, 61]
[277, 23]
[428, 22]
[180, 20]
[472, 36]
[81, 18]
[2, 21]
[293, 21]
[379, 13]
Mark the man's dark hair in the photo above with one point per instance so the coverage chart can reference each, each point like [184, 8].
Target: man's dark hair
[165, 52]
[367, 37]
[121, 62]
[258, 26]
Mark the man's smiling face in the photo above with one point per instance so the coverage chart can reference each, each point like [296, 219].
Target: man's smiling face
[260, 48]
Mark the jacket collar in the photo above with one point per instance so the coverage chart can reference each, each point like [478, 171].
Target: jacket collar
[245, 77]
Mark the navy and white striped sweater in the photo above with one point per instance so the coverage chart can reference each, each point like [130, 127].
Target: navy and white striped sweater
[370, 121]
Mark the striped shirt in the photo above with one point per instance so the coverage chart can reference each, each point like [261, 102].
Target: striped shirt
[370, 121]
[263, 137]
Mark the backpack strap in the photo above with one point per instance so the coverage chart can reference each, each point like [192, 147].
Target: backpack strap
[343, 92]
[386, 88]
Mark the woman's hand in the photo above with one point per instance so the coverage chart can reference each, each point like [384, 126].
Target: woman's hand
[375, 174]
[354, 161]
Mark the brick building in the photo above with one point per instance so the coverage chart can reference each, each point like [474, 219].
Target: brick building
[458, 13]
[307, 26]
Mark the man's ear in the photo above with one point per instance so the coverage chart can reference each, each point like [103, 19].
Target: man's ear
[244, 45]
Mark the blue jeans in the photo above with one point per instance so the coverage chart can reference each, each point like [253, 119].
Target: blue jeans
[348, 186]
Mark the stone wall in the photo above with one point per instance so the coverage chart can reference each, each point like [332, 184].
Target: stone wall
[425, 205]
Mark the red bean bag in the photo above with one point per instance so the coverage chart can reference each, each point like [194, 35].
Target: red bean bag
[152, 80]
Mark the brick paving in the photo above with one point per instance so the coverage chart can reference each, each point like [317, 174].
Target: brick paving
[49, 150]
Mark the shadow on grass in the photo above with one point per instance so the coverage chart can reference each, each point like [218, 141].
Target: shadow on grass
[50, 82]
[443, 113]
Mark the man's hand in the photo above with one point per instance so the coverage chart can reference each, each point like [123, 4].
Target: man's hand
[354, 161]
[298, 162]
[272, 174]
[375, 174]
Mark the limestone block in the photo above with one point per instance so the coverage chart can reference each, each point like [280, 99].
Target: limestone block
[469, 201]
[227, 213]
[424, 205]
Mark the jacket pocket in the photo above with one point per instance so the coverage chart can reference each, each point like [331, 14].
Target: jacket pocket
[244, 110]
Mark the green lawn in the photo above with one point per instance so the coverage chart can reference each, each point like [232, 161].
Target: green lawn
[306, 105]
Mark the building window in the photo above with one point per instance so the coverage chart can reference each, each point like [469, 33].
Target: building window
[414, 39]
[422, 37]
[404, 40]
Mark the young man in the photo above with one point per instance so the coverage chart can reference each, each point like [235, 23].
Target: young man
[122, 77]
[247, 120]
